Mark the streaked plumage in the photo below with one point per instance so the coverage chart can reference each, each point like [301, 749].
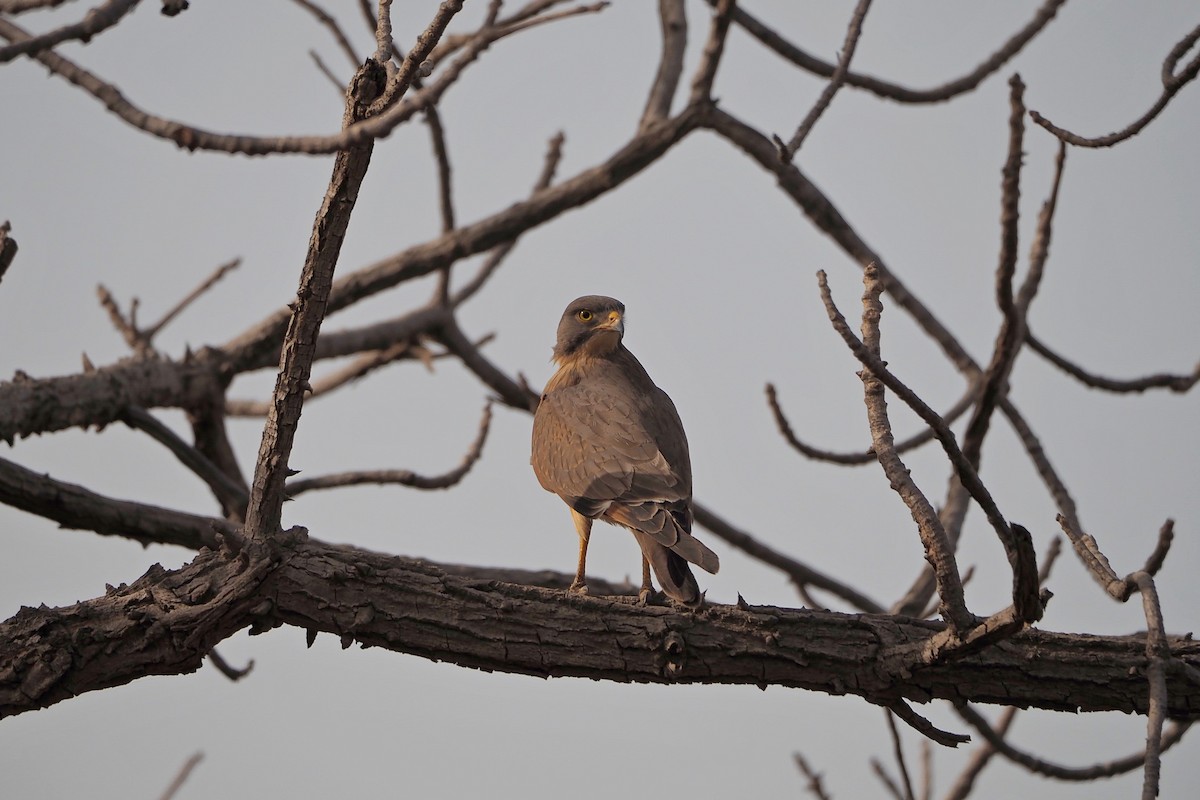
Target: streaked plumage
[611, 445]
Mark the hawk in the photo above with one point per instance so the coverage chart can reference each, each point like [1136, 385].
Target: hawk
[611, 445]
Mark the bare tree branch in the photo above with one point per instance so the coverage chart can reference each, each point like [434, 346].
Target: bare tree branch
[1108, 769]
[251, 347]
[938, 550]
[1176, 383]
[225, 668]
[220, 272]
[335, 30]
[194, 138]
[889, 783]
[1172, 83]
[714, 46]
[181, 777]
[867, 456]
[898, 754]
[670, 65]
[334, 80]
[402, 477]
[891, 91]
[980, 758]
[78, 508]
[19, 6]
[788, 151]
[925, 727]
[814, 778]
[1014, 538]
[228, 491]
[98, 20]
[166, 622]
[267, 492]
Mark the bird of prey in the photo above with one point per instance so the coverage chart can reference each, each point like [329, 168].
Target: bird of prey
[611, 445]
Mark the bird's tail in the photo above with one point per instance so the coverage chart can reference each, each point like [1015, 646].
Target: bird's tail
[672, 570]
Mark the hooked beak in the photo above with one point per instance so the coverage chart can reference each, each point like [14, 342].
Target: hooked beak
[613, 323]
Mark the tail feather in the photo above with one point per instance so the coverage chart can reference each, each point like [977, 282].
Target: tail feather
[657, 521]
[671, 570]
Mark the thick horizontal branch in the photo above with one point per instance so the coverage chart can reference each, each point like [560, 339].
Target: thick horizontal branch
[77, 508]
[43, 405]
[166, 621]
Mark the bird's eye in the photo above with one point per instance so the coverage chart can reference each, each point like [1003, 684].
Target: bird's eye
[585, 316]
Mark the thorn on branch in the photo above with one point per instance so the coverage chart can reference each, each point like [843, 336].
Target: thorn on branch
[233, 673]
[925, 727]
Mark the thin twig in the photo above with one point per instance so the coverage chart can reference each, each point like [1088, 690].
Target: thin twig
[1039, 250]
[714, 46]
[1161, 380]
[1107, 769]
[938, 550]
[1158, 654]
[402, 477]
[360, 367]
[414, 65]
[441, 157]
[507, 390]
[673, 18]
[1096, 562]
[866, 456]
[891, 91]
[228, 491]
[788, 151]
[980, 758]
[888, 782]
[181, 776]
[149, 333]
[1014, 538]
[1041, 462]
[339, 35]
[898, 754]
[1156, 558]
[1004, 353]
[926, 770]
[814, 778]
[383, 32]
[20, 6]
[1172, 83]
[228, 670]
[195, 138]
[496, 257]
[125, 326]
[925, 727]
[338, 83]
[97, 20]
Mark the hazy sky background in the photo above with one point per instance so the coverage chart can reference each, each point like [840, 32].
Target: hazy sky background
[716, 268]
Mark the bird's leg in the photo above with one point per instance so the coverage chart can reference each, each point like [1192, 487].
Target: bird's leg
[583, 526]
[647, 590]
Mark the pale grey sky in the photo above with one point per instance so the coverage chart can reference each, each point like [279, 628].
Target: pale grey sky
[716, 268]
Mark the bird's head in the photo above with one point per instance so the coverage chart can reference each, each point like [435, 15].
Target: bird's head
[591, 326]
